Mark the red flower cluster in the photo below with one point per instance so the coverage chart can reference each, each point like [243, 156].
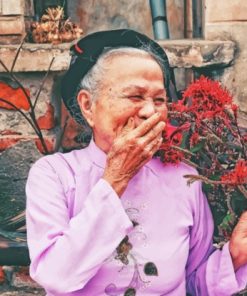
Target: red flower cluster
[172, 138]
[205, 99]
[194, 139]
[171, 155]
[205, 134]
[238, 176]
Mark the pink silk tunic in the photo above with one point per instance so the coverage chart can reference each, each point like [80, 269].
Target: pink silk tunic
[76, 222]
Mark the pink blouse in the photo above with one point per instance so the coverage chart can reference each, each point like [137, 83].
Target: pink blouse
[154, 240]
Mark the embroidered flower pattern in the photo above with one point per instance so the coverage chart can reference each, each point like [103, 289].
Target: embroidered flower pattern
[125, 255]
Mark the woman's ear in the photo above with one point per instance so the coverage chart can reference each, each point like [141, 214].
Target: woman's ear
[84, 99]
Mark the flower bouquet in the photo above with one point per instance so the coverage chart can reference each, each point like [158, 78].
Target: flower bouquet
[203, 131]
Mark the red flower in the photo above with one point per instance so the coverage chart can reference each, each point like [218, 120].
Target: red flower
[194, 139]
[235, 110]
[179, 106]
[204, 99]
[174, 134]
[171, 155]
[172, 137]
[177, 139]
[170, 129]
[238, 175]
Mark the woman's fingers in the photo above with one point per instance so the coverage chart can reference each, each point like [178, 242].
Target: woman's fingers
[127, 128]
[155, 132]
[146, 125]
[156, 147]
[149, 152]
[129, 152]
[143, 145]
[153, 146]
[144, 133]
[139, 156]
[128, 138]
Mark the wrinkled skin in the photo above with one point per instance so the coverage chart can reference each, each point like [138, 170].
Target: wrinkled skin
[131, 150]
[127, 120]
[128, 116]
[238, 242]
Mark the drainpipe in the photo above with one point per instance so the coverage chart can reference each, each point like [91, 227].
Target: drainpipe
[161, 32]
[159, 19]
[197, 18]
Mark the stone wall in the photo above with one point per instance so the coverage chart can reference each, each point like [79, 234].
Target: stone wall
[105, 15]
[19, 144]
[227, 20]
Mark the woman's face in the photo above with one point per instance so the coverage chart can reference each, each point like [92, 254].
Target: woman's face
[132, 87]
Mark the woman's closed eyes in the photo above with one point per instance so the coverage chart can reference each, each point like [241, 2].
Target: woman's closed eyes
[158, 100]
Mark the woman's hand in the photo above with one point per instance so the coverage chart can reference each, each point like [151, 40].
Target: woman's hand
[131, 150]
[238, 242]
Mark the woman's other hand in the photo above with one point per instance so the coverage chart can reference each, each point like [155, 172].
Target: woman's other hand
[238, 242]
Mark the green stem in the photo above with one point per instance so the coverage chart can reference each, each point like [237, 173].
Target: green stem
[242, 190]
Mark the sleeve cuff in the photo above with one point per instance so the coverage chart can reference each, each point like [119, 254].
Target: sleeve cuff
[241, 277]
[116, 204]
[104, 197]
[220, 275]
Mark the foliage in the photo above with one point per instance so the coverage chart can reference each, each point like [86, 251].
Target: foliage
[203, 131]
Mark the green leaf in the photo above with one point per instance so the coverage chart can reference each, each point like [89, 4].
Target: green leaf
[197, 147]
[239, 202]
[228, 222]
[207, 187]
[185, 140]
[215, 177]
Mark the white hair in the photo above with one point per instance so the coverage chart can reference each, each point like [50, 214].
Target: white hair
[93, 80]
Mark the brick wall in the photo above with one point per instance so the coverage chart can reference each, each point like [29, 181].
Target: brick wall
[13, 126]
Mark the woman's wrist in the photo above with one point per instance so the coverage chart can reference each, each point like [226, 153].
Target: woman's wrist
[118, 185]
[237, 258]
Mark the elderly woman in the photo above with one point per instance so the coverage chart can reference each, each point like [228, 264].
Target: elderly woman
[110, 219]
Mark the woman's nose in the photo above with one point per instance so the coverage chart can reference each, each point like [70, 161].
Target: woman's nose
[147, 110]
